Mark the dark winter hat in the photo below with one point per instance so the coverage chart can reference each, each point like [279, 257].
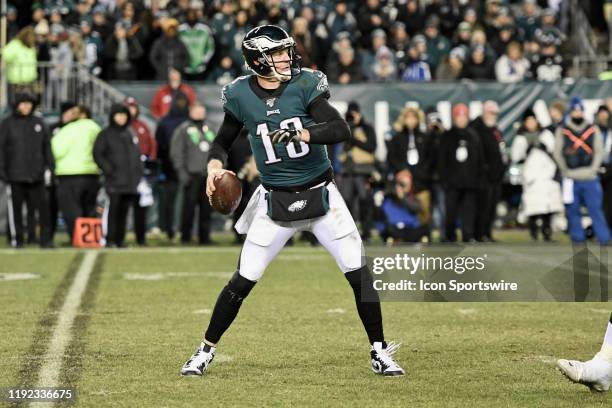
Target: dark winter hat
[528, 113]
[66, 106]
[353, 107]
[118, 108]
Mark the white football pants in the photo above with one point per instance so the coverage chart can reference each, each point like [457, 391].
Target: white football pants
[336, 231]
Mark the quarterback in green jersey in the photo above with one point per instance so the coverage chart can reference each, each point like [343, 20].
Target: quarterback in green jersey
[286, 111]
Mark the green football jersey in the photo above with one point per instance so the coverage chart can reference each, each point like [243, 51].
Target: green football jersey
[286, 108]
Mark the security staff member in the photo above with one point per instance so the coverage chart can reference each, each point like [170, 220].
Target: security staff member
[460, 167]
[189, 149]
[579, 152]
[25, 157]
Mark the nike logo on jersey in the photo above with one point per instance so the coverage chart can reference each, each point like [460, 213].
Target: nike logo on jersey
[273, 112]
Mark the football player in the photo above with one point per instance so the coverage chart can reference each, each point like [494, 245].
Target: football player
[595, 373]
[285, 108]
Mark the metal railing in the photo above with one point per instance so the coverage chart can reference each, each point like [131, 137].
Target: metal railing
[55, 84]
[587, 66]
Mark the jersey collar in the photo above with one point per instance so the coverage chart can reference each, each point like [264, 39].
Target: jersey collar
[258, 90]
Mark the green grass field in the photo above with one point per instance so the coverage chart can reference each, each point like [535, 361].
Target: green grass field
[297, 341]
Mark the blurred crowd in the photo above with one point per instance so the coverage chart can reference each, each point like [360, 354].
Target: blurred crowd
[433, 178]
[352, 41]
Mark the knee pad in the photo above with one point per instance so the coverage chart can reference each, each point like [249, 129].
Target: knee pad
[351, 252]
[238, 288]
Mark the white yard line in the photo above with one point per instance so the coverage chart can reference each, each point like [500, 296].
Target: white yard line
[52, 361]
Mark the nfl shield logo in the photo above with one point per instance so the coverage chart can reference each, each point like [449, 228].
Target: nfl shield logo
[270, 102]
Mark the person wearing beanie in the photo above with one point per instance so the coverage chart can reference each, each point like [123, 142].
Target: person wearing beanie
[602, 122]
[496, 162]
[148, 155]
[532, 150]
[460, 168]
[579, 152]
[25, 163]
[75, 168]
[116, 152]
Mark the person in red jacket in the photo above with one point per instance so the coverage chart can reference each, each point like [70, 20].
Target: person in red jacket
[148, 155]
[146, 140]
[162, 101]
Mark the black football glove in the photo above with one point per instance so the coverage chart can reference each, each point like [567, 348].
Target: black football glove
[286, 136]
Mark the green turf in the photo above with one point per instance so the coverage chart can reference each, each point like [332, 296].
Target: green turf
[28, 309]
[297, 340]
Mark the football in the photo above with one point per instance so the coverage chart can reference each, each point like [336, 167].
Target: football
[227, 195]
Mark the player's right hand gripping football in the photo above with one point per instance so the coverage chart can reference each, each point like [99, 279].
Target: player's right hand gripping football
[214, 173]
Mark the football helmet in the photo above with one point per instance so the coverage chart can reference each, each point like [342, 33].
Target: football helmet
[258, 46]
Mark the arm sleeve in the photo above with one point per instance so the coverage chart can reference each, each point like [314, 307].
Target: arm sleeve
[99, 154]
[228, 132]
[370, 144]
[557, 154]
[330, 127]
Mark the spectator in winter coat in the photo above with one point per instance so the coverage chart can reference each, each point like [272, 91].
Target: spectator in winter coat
[384, 68]
[19, 56]
[410, 149]
[512, 66]
[165, 94]
[148, 155]
[602, 122]
[346, 69]
[189, 149]
[401, 213]
[200, 43]
[168, 51]
[495, 162]
[121, 53]
[579, 152]
[178, 114]
[417, 69]
[226, 70]
[460, 168]
[25, 162]
[478, 65]
[117, 153]
[532, 148]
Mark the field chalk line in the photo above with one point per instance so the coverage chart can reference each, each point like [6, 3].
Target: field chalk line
[52, 361]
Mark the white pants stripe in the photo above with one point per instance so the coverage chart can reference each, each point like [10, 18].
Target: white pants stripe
[11, 216]
[105, 221]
